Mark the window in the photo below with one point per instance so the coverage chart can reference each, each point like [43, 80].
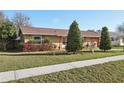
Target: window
[38, 39]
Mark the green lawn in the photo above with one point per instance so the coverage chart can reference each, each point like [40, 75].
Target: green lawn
[20, 62]
[88, 49]
[112, 49]
[119, 47]
[102, 73]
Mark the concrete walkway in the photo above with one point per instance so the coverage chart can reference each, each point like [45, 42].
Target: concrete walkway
[24, 73]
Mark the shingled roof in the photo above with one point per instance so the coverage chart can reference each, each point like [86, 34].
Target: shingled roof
[51, 31]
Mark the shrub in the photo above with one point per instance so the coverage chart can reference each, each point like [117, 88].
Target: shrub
[31, 41]
[46, 40]
[19, 46]
[26, 47]
[46, 47]
[37, 47]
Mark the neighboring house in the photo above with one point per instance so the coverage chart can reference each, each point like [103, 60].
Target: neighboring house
[117, 38]
[56, 36]
[121, 40]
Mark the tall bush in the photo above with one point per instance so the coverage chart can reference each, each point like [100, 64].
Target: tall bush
[74, 40]
[105, 42]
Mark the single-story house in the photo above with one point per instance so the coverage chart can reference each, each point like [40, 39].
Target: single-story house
[56, 36]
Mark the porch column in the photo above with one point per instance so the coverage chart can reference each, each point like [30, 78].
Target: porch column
[60, 42]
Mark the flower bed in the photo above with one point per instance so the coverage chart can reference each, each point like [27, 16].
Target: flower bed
[37, 47]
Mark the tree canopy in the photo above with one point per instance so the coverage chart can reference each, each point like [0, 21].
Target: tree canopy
[20, 19]
[7, 33]
[74, 40]
[2, 17]
[105, 42]
[120, 28]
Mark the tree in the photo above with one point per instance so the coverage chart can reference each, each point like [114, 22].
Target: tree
[2, 17]
[74, 40]
[7, 33]
[120, 28]
[20, 19]
[99, 31]
[105, 42]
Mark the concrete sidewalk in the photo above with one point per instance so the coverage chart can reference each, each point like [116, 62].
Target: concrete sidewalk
[24, 73]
